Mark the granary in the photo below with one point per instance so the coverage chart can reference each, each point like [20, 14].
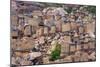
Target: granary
[73, 25]
[40, 31]
[14, 20]
[85, 46]
[66, 27]
[33, 30]
[75, 40]
[21, 20]
[58, 26]
[53, 29]
[37, 13]
[14, 33]
[64, 41]
[64, 49]
[72, 47]
[46, 30]
[67, 38]
[81, 29]
[26, 18]
[92, 45]
[78, 47]
[89, 28]
[13, 41]
[33, 22]
[28, 30]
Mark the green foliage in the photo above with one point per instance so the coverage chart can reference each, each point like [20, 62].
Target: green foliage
[92, 9]
[52, 5]
[69, 10]
[55, 54]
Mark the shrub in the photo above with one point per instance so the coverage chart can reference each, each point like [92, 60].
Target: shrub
[55, 54]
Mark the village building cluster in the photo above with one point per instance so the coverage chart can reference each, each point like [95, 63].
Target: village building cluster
[34, 31]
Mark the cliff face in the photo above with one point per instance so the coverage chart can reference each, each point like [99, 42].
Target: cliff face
[36, 25]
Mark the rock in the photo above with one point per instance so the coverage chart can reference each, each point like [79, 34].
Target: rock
[60, 11]
[42, 40]
[13, 61]
[34, 55]
[92, 56]
[24, 62]
[57, 36]
[68, 59]
[46, 60]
